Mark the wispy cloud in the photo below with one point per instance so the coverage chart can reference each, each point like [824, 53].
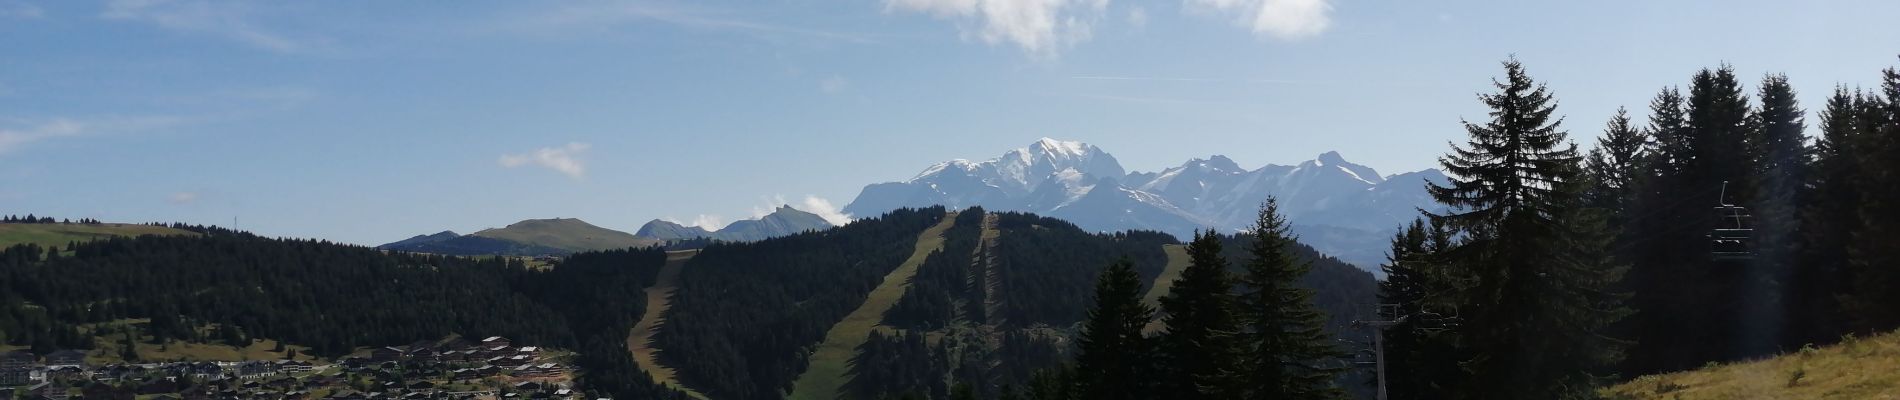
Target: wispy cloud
[1279, 19]
[20, 10]
[26, 133]
[566, 159]
[232, 21]
[182, 198]
[1198, 80]
[824, 209]
[1137, 17]
[811, 204]
[1039, 27]
[833, 84]
[710, 222]
[598, 15]
[1155, 100]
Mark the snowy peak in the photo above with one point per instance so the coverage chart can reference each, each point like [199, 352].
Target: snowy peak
[1331, 158]
[1055, 147]
[1332, 161]
[1353, 205]
[1017, 172]
[1218, 163]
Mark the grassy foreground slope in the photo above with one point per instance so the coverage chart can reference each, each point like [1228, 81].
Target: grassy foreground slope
[1856, 368]
[61, 234]
[830, 362]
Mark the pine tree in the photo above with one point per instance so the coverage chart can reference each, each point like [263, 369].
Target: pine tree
[1198, 346]
[1538, 298]
[1404, 289]
[128, 348]
[1829, 220]
[1779, 179]
[1613, 164]
[1288, 355]
[1420, 356]
[1873, 258]
[1115, 360]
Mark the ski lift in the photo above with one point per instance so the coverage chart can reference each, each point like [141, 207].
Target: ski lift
[1732, 239]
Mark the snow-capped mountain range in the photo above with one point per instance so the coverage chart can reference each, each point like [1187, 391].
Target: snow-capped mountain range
[1344, 209]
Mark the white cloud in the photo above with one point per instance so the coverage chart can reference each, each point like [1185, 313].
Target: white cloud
[1280, 19]
[1039, 27]
[1137, 17]
[811, 204]
[833, 84]
[709, 222]
[593, 16]
[15, 138]
[563, 159]
[231, 20]
[12, 139]
[824, 209]
[182, 197]
[20, 10]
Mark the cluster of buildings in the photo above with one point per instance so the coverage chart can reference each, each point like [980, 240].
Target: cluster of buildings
[450, 369]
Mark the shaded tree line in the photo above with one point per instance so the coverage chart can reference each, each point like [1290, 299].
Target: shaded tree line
[1559, 271]
[235, 287]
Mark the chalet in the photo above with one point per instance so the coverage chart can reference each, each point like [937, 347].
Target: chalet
[256, 369]
[21, 376]
[511, 361]
[18, 359]
[65, 372]
[494, 341]
[294, 367]
[74, 358]
[48, 390]
[117, 372]
[391, 353]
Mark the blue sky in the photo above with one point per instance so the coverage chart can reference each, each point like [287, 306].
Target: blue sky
[367, 122]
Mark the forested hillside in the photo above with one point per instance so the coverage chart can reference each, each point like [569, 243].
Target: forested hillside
[233, 287]
[745, 314]
[1001, 299]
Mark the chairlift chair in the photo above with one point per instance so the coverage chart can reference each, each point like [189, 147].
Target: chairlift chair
[1733, 238]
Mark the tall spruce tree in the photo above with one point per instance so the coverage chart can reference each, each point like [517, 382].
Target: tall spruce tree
[1873, 257]
[1420, 363]
[1829, 220]
[1613, 165]
[1539, 300]
[1116, 360]
[1288, 354]
[1779, 180]
[1199, 346]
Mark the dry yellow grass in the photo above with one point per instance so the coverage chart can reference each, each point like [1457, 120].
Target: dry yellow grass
[1858, 368]
[829, 363]
[1177, 261]
[640, 338]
